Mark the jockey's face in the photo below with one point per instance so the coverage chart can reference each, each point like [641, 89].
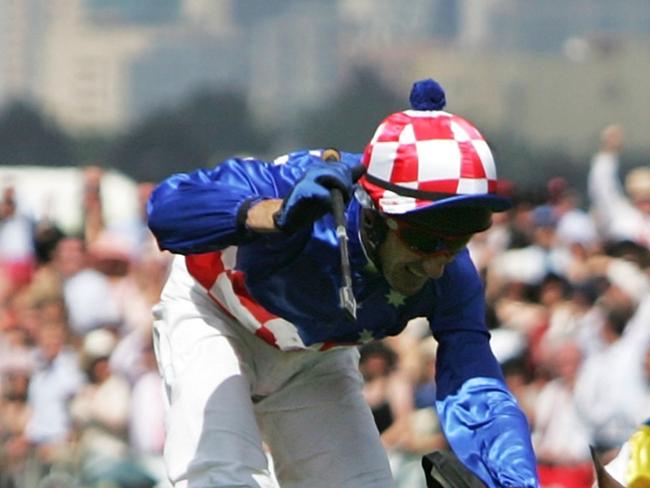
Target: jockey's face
[407, 270]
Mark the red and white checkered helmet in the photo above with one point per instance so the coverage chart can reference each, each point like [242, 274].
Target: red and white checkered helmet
[427, 158]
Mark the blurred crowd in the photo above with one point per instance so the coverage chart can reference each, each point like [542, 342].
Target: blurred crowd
[568, 304]
[81, 401]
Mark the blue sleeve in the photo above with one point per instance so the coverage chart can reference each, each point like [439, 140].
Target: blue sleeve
[205, 210]
[202, 211]
[481, 419]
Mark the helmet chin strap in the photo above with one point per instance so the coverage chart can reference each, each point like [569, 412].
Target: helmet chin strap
[373, 234]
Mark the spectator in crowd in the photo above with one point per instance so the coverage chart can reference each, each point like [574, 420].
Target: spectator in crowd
[531, 263]
[399, 386]
[511, 347]
[576, 235]
[512, 300]
[92, 207]
[146, 415]
[578, 318]
[16, 241]
[520, 267]
[46, 236]
[14, 415]
[611, 407]
[560, 438]
[100, 410]
[134, 231]
[487, 245]
[100, 407]
[377, 363]
[573, 223]
[132, 282]
[56, 379]
[15, 337]
[623, 213]
[555, 295]
[86, 291]
[416, 430]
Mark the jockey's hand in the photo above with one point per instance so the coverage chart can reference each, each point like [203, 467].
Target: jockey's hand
[311, 197]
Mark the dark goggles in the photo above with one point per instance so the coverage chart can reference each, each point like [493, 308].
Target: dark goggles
[424, 240]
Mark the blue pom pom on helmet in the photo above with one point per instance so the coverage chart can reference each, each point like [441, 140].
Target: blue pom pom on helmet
[427, 95]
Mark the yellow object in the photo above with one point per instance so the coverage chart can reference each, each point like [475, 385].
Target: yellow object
[638, 468]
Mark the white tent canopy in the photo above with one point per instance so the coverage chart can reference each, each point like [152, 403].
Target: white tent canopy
[56, 193]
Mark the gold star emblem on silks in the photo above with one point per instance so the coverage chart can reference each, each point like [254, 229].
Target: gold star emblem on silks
[366, 336]
[395, 298]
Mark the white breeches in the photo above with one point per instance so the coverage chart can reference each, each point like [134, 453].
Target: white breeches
[229, 391]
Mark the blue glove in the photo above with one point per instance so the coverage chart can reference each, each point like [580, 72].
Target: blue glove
[311, 198]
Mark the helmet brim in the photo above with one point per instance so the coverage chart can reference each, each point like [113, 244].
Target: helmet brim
[456, 215]
[495, 203]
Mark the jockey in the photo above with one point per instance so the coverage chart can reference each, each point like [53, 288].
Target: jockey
[251, 341]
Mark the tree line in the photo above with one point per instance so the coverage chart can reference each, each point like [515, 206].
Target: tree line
[211, 125]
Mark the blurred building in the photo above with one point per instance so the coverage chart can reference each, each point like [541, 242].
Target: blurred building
[142, 12]
[544, 27]
[293, 60]
[552, 72]
[22, 27]
[558, 101]
[98, 65]
[85, 72]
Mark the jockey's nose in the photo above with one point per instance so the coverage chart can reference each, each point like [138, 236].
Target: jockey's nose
[434, 266]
